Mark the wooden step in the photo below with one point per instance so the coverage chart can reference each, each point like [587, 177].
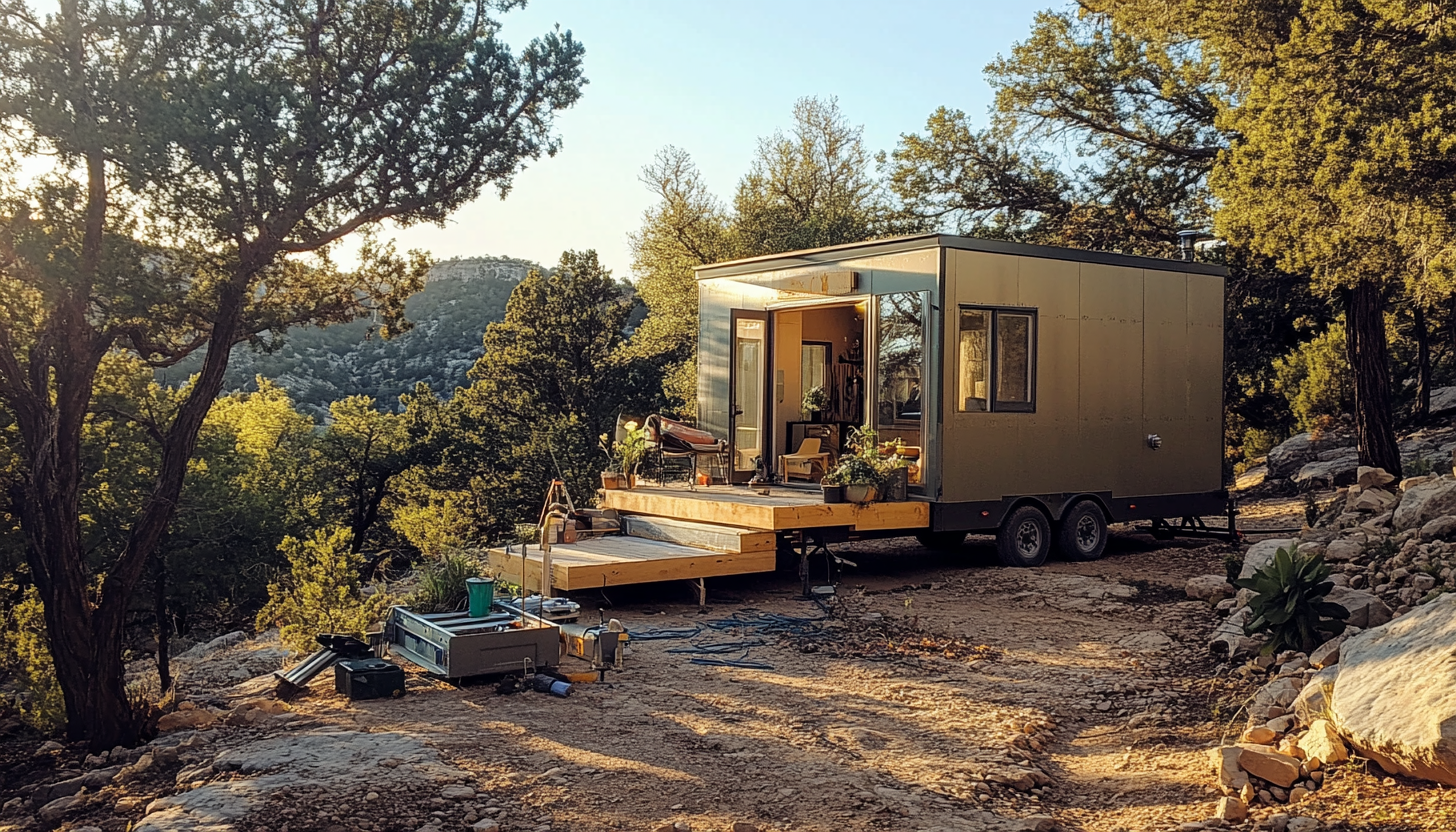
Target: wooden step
[699, 535]
[616, 561]
[782, 509]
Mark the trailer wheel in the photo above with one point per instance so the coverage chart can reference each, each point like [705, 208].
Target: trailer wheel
[941, 541]
[1082, 534]
[1025, 538]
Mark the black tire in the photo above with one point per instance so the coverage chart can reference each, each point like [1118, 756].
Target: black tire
[1025, 538]
[1082, 534]
[942, 541]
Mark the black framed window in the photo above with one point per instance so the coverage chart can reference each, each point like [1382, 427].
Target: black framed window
[996, 366]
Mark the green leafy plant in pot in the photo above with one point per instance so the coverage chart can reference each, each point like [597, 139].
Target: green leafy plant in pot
[625, 456]
[816, 401]
[860, 471]
[1289, 603]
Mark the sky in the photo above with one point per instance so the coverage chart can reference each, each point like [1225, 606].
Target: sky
[711, 78]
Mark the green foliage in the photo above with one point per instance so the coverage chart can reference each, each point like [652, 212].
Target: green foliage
[867, 463]
[1419, 467]
[1233, 564]
[808, 187]
[321, 592]
[628, 452]
[25, 657]
[1289, 603]
[1315, 378]
[816, 398]
[201, 162]
[441, 586]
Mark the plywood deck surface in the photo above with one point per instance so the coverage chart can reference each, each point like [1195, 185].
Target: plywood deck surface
[616, 560]
[782, 509]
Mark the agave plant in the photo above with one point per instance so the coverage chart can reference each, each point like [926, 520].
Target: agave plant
[1289, 602]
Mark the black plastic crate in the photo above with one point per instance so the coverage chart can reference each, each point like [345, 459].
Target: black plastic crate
[368, 679]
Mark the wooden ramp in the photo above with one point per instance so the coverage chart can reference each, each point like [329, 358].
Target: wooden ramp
[783, 509]
[618, 560]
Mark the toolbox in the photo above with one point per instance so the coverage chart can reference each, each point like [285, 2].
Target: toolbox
[369, 679]
[456, 646]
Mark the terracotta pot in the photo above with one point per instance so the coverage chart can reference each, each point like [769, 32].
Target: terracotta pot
[612, 480]
[859, 493]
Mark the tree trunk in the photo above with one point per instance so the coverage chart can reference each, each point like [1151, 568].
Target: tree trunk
[1423, 364]
[1368, 353]
[164, 627]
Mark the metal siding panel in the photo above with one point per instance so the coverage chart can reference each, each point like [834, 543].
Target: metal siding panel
[1050, 459]
[1205, 378]
[1110, 394]
[980, 456]
[1165, 381]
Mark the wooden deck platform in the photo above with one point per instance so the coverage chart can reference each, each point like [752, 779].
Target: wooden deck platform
[784, 509]
[619, 560]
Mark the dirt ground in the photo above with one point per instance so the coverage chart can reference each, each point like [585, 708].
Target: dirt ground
[943, 693]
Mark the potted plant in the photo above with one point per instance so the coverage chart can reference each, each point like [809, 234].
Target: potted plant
[831, 485]
[816, 401]
[894, 470]
[859, 472]
[625, 455]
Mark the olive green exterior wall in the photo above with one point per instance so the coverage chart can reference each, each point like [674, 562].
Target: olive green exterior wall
[1122, 352]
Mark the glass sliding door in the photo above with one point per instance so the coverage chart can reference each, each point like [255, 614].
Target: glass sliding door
[750, 373]
[900, 373]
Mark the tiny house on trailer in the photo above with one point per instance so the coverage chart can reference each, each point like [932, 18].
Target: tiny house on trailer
[1040, 392]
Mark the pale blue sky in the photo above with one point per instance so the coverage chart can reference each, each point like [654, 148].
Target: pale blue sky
[711, 78]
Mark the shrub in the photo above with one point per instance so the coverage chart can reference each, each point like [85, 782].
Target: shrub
[321, 593]
[442, 583]
[1315, 378]
[1289, 602]
[27, 659]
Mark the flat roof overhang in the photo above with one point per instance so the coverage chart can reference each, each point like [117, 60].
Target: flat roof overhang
[896, 245]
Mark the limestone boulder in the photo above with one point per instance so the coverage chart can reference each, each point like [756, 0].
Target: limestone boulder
[1297, 451]
[1369, 500]
[1394, 699]
[1443, 400]
[1210, 588]
[1441, 528]
[1261, 554]
[1322, 742]
[1368, 477]
[1423, 503]
[1280, 769]
[1365, 609]
[1290, 455]
[1327, 473]
[1343, 549]
[1253, 477]
[1326, 654]
[1313, 701]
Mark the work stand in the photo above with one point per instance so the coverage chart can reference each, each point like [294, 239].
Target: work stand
[813, 543]
[700, 590]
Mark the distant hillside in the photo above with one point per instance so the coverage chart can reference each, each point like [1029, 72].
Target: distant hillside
[321, 365]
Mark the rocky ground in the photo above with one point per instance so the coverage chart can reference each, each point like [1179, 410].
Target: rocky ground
[941, 693]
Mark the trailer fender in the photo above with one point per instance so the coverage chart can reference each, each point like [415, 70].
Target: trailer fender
[1077, 498]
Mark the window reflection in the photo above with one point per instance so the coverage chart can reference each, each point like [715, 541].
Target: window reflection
[901, 356]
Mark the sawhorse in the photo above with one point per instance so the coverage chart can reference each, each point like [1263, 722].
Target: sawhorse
[812, 542]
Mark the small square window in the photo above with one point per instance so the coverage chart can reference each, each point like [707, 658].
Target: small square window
[997, 360]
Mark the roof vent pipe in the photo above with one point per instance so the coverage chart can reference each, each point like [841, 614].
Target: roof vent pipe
[1188, 238]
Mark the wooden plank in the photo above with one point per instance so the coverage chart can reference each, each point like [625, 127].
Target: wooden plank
[617, 561]
[700, 535]
[781, 510]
